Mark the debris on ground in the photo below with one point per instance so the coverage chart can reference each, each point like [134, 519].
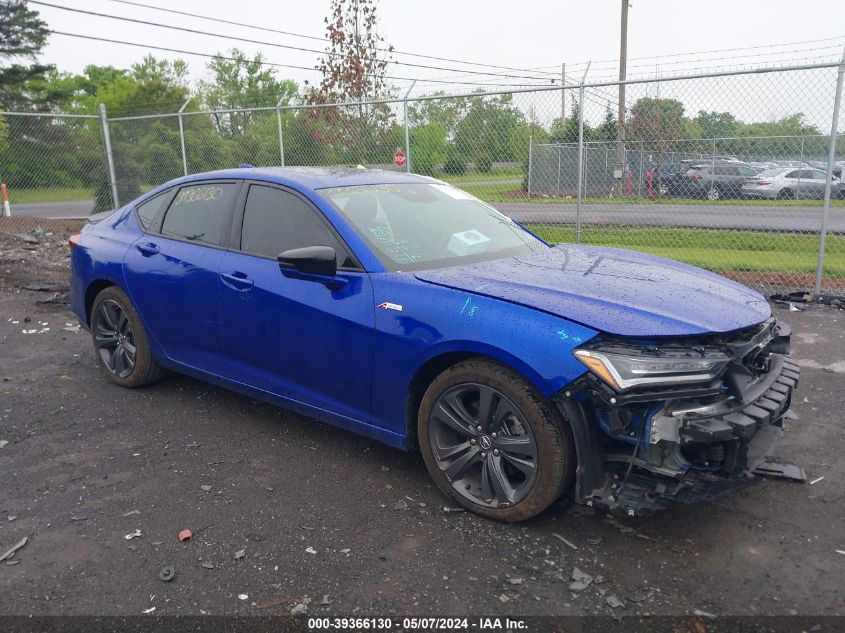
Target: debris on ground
[614, 602]
[11, 551]
[208, 565]
[310, 550]
[148, 611]
[324, 602]
[816, 480]
[243, 596]
[205, 487]
[185, 535]
[132, 535]
[448, 509]
[580, 580]
[703, 614]
[299, 609]
[838, 551]
[504, 598]
[131, 513]
[167, 574]
[240, 554]
[568, 542]
[696, 625]
[276, 603]
[515, 581]
[401, 505]
[4, 443]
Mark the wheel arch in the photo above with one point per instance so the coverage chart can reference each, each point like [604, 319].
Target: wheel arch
[94, 288]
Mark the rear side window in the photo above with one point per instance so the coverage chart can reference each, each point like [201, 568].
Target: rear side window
[198, 213]
[149, 210]
[276, 221]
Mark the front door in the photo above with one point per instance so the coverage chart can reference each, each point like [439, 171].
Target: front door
[296, 338]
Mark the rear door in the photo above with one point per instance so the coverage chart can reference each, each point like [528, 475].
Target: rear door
[171, 271]
[297, 338]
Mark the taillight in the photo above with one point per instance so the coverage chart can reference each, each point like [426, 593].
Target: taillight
[73, 241]
[696, 176]
[763, 183]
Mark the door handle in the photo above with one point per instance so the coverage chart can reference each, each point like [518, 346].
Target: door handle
[147, 249]
[238, 281]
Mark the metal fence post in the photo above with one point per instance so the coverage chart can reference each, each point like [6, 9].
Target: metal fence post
[182, 137]
[281, 135]
[579, 180]
[831, 155]
[104, 122]
[530, 151]
[407, 134]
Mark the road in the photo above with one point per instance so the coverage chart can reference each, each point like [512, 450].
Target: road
[727, 216]
[320, 512]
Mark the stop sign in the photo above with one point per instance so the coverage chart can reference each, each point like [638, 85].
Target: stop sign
[399, 158]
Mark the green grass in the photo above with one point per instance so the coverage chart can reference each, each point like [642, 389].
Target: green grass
[49, 194]
[713, 249]
[497, 173]
[502, 193]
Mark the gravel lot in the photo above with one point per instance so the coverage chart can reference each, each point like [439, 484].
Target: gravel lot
[342, 525]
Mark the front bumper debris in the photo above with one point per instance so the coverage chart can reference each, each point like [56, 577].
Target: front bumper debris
[689, 448]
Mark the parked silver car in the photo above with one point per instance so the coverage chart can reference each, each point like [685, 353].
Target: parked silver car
[785, 183]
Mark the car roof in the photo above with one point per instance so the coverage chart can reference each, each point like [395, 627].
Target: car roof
[311, 177]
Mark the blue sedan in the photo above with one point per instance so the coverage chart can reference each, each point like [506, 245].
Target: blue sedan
[404, 309]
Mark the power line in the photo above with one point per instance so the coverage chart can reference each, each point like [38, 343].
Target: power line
[263, 63]
[717, 50]
[263, 43]
[318, 38]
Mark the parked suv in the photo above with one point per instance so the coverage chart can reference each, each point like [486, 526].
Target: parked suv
[715, 181]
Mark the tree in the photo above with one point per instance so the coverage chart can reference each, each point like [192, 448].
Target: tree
[353, 67]
[23, 35]
[353, 70]
[240, 82]
[715, 124]
[484, 133]
[658, 124]
[428, 147]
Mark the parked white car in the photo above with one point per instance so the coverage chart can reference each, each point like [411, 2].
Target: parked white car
[785, 183]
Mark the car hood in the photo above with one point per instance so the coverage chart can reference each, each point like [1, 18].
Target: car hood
[612, 290]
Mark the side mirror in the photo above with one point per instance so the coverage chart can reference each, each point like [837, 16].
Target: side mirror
[313, 261]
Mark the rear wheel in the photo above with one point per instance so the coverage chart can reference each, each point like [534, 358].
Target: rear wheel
[785, 194]
[120, 340]
[492, 443]
[714, 193]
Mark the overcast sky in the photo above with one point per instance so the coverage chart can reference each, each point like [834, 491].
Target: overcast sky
[526, 34]
[666, 37]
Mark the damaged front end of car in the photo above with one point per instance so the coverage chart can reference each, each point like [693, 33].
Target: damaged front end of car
[680, 419]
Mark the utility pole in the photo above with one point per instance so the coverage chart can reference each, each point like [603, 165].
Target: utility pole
[619, 171]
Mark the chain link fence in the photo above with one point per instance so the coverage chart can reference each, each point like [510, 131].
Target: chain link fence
[724, 171]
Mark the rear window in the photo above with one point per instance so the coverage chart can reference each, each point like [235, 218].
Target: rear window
[149, 210]
[772, 172]
[198, 213]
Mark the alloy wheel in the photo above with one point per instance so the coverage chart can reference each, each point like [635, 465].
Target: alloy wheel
[483, 445]
[114, 339]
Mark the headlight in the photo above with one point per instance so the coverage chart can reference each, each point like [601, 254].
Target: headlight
[625, 370]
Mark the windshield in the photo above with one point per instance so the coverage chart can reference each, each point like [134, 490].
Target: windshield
[420, 226]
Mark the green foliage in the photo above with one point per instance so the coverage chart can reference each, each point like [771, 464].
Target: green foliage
[428, 143]
[455, 162]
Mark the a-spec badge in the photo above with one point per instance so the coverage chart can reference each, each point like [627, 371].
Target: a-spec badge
[390, 306]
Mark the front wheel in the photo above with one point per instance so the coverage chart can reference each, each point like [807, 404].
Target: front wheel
[713, 193]
[120, 340]
[492, 444]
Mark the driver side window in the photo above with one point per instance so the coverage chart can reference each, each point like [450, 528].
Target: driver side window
[276, 221]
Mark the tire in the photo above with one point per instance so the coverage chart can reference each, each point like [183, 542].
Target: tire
[714, 193]
[785, 194]
[116, 330]
[460, 459]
